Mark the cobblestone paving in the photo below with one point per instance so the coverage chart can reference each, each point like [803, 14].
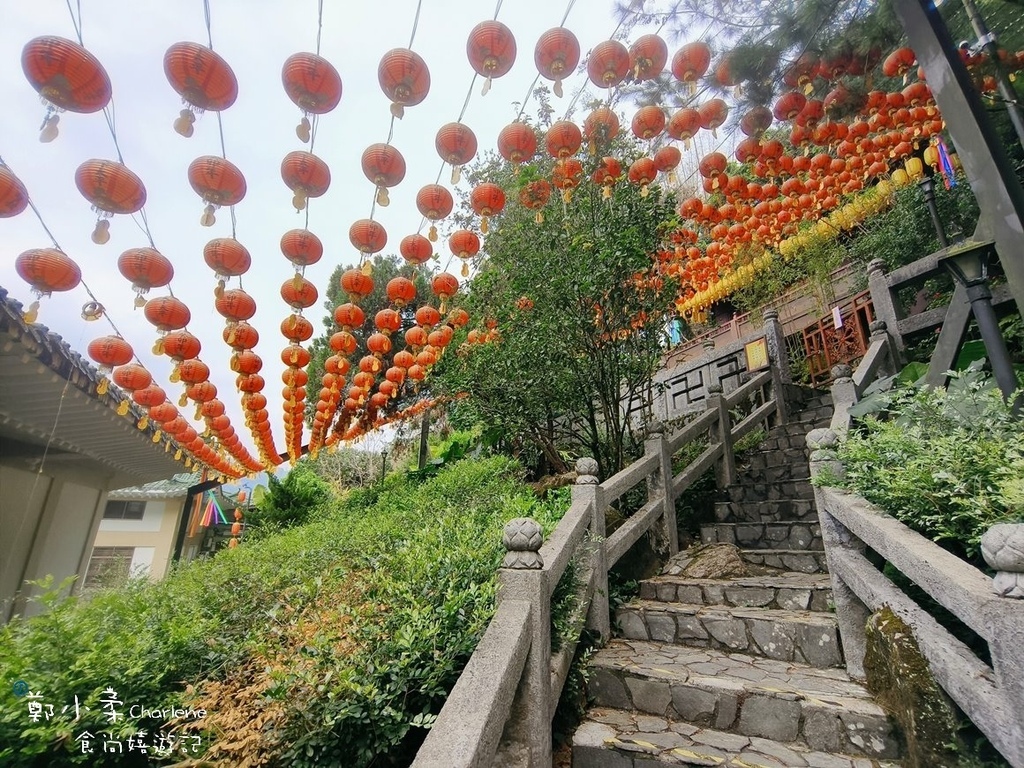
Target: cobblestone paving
[788, 591]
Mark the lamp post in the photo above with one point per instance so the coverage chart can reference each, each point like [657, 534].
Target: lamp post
[968, 261]
[927, 185]
[384, 463]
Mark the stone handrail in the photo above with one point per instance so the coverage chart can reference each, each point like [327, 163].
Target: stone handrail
[848, 386]
[500, 711]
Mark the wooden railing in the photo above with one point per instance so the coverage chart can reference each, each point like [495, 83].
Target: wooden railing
[992, 696]
[500, 710]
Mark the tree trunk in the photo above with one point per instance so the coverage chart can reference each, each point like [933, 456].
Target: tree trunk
[424, 434]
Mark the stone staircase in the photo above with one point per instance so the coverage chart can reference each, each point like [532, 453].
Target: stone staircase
[745, 671]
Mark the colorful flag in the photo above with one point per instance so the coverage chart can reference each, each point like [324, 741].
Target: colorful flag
[946, 165]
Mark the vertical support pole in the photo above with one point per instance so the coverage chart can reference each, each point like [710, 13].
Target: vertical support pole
[880, 332]
[884, 305]
[844, 395]
[588, 491]
[851, 613]
[726, 467]
[659, 485]
[424, 435]
[778, 361]
[522, 577]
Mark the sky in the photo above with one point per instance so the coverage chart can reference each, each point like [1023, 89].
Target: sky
[255, 37]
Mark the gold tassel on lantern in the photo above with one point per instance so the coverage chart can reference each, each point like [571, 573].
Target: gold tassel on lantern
[432, 234]
[122, 408]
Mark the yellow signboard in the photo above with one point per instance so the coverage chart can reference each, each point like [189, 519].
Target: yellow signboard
[757, 354]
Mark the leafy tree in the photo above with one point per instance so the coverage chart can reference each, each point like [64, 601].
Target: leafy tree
[291, 501]
[578, 308]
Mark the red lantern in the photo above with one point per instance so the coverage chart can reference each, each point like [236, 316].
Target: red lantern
[235, 305]
[149, 395]
[388, 320]
[684, 125]
[756, 121]
[111, 188]
[298, 293]
[691, 62]
[434, 202]
[566, 176]
[241, 336]
[608, 64]
[427, 316]
[404, 78]
[132, 376]
[226, 257]
[667, 158]
[404, 359]
[47, 270]
[218, 182]
[400, 291]
[343, 342]
[313, 84]
[564, 139]
[146, 268]
[713, 165]
[67, 77]
[202, 392]
[712, 115]
[517, 143]
[456, 144]
[108, 352]
[607, 173]
[356, 284]
[180, 345]
[193, 371]
[416, 249]
[306, 175]
[557, 54]
[384, 166]
[368, 236]
[444, 286]
[899, 62]
[648, 122]
[487, 199]
[789, 105]
[296, 328]
[167, 313]
[601, 126]
[491, 49]
[535, 196]
[416, 337]
[247, 362]
[643, 172]
[647, 57]
[378, 344]
[465, 245]
[13, 196]
[349, 316]
[203, 80]
[301, 247]
[295, 356]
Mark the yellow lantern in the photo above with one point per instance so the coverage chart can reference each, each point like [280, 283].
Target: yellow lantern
[915, 168]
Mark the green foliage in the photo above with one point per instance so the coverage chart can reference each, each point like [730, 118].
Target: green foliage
[948, 463]
[333, 643]
[289, 502]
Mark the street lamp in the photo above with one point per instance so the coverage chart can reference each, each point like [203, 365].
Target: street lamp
[927, 185]
[968, 261]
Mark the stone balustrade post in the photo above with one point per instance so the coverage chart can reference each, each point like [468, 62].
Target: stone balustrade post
[885, 306]
[659, 486]
[880, 332]
[588, 490]
[709, 368]
[1002, 546]
[778, 359]
[725, 468]
[844, 395]
[851, 613]
[521, 577]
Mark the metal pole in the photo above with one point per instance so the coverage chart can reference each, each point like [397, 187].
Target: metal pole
[987, 40]
[927, 185]
[981, 305]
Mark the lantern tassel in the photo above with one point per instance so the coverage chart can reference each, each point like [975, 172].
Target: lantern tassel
[32, 313]
[557, 88]
[122, 408]
[465, 269]
[432, 234]
[382, 197]
[101, 233]
[397, 110]
[484, 226]
[539, 217]
[302, 130]
[208, 219]
[487, 86]
[49, 130]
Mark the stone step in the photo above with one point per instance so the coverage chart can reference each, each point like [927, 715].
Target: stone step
[769, 699]
[767, 511]
[613, 738]
[797, 439]
[784, 534]
[799, 560]
[805, 637]
[770, 458]
[774, 490]
[749, 471]
[787, 591]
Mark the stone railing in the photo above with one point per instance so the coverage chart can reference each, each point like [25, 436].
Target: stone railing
[500, 710]
[991, 696]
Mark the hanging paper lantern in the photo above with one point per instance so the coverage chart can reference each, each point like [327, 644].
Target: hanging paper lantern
[456, 144]
[404, 359]
[434, 202]
[557, 55]
[535, 196]
[202, 78]
[487, 199]
[566, 176]
[712, 115]
[899, 62]
[400, 291]
[608, 64]
[444, 286]
[296, 328]
[313, 84]
[46, 270]
[600, 127]
[667, 158]
[306, 175]
[648, 122]
[388, 320]
[367, 236]
[67, 77]
[684, 125]
[193, 371]
[167, 313]
[606, 174]
[384, 166]
[13, 196]
[491, 49]
[647, 57]
[642, 172]
[301, 247]
[181, 345]
[132, 376]
[812, 113]
[713, 165]
[146, 268]
[458, 318]
[226, 257]
[756, 121]
[356, 284]
[404, 78]
[349, 316]
[465, 245]
[201, 392]
[691, 63]
[298, 293]
[218, 182]
[295, 356]
[416, 337]
[416, 249]
[564, 139]
[111, 188]
[241, 336]
[789, 105]
[149, 395]
[517, 143]
[108, 352]
[427, 316]
[235, 305]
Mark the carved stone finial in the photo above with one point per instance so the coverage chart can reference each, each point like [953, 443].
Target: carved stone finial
[1002, 546]
[877, 327]
[876, 265]
[771, 314]
[841, 371]
[655, 428]
[522, 538]
[715, 388]
[586, 471]
[708, 345]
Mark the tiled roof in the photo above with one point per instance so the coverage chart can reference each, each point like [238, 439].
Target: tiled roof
[175, 487]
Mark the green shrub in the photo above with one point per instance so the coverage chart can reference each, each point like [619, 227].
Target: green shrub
[300, 497]
[332, 643]
[948, 463]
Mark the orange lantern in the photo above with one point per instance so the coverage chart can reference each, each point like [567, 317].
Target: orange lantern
[296, 328]
[67, 77]
[444, 286]
[378, 344]
[167, 313]
[643, 172]
[306, 175]
[606, 174]
[241, 336]
[899, 62]
[301, 247]
[517, 143]
[712, 115]
[557, 54]
[132, 376]
[247, 362]
[388, 321]
[564, 139]
[384, 166]
[146, 268]
[298, 293]
[313, 84]
[608, 64]
[416, 249]
[648, 122]
[13, 196]
[404, 78]
[666, 159]
[227, 257]
[218, 182]
[111, 188]
[434, 202]
[756, 121]
[367, 236]
[566, 176]
[647, 57]
[202, 78]
[46, 270]
[464, 244]
[181, 345]
[108, 352]
[356, 284]
[349, 316]
[400, 291]
[427, 316]
[487, 199]
[456, 144]
[684, 125]
[491, 49]
[535, 196]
